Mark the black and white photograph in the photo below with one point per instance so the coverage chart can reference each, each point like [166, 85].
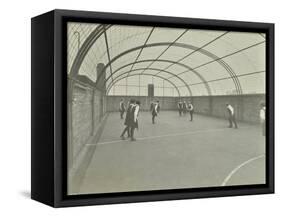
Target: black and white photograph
[159, 108]
[140, 108]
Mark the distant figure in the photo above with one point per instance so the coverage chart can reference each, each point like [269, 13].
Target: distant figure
[158, 106]
[262, 117]
[122, 108]
[151, 106]
[155, 110]
[184, 107]
[231, 116]
[128, 119]
[134, 123]
[180, 107]
[191, 110]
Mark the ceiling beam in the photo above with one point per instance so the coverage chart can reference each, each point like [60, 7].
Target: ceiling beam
[153, 69]
[144, 74]
[165, 50]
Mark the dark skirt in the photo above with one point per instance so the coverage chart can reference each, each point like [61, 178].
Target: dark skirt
[131, 123]
[127, 121]
[135, 124]
[154, 113]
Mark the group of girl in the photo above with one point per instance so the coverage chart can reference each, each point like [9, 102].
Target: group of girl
[131, 119]
[184, 108]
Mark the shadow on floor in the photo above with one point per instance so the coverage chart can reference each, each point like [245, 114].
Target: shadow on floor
[25, 194]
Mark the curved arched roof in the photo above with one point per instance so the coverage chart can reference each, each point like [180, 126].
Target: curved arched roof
[181, 62]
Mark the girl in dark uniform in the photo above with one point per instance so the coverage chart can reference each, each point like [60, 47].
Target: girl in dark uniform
[231, 116]
[184, 107]
[155, 110]
[262, 117]
[128, 119]
[151, 106]
[134, 119]
[191, 110]
[180, 107]
[122, 108]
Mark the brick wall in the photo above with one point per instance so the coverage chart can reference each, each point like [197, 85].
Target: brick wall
[82, 117]
[246, 106]
[86, 110]
[167, 103]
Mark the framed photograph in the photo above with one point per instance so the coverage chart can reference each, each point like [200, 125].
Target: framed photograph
[134, 108]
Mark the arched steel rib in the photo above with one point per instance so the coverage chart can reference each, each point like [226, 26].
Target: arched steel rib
[153, 69]
[98, 32]
[168, 61]
[91, 39]
[187, 46]
[109, 87]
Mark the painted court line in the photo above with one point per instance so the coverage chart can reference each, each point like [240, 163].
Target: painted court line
[239, 167]
[166, 135]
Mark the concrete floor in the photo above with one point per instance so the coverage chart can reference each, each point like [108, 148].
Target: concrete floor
[175, 153]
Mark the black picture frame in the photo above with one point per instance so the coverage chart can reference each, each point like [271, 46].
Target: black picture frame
[49, 108]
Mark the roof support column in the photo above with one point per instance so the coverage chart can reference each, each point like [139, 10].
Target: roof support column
[101, 73]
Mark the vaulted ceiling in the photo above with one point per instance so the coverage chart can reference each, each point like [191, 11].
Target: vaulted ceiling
[181, 62]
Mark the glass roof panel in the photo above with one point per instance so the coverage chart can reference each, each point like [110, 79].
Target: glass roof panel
[152, 52]
[160, 65]
[161, 34]
[183, 91]
[199, 90]
[168, 85]
[168, 91]
[122, 38]
[196, 59]
[141, 65]
[130, 58]
[175, 53]
[146, 80]
[122, 70]
[213, 71]
[233, 42]
[223, 87]
[256, 83]
[96, 54]
[253, 60]
[190, 77]
[77, 34]
[206, 36]
[214, 55]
